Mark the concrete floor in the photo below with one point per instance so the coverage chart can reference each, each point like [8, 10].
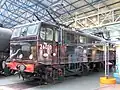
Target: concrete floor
[90, 82]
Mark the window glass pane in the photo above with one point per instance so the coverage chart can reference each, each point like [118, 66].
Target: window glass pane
[70, 38]
[82, 39]
[75, 39]
[65, 37]
[24, 31]
[49, 34]
[16, 32]
[42, 33]
[56, 36]
[32, 30]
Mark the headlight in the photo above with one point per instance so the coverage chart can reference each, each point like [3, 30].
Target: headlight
[45, 55]
[20, 56]
[54, 54]
[22, 67]
[31, 56]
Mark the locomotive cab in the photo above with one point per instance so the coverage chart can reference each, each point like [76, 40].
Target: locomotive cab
[33, 47]
[23, 48]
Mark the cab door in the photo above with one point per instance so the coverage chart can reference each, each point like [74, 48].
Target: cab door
[56, 47]
[51, 45]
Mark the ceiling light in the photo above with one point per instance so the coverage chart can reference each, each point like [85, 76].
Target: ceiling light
[94, 19]
[83, 21]
[86, 24]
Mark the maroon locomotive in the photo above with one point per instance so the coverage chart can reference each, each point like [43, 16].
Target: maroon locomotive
[45, 51]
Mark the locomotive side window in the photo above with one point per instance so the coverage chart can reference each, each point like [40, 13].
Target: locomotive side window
[82, 39]
[46, 34]
[75, 39]
[70, 38]
[42, 33]
[49, 34]
[64, 35]
[56, 36]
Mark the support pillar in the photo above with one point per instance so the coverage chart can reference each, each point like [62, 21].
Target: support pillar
[107, 80]
[117, 68]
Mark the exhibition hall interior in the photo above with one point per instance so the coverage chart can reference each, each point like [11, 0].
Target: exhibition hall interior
[59, 44]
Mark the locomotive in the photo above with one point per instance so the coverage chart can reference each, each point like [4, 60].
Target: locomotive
[5, 35]
[48, 52]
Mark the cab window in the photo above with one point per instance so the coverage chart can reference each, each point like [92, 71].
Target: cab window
[57, 38]
[49, 34]
[82, 39]
[24, 31]
[70, 38]
[46, 34]
[42, 33]
[16, 32]
[32, 30]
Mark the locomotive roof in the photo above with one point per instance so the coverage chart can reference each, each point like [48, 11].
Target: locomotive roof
[38, 22]
[22, 25]
[70, 30]
[75, 31]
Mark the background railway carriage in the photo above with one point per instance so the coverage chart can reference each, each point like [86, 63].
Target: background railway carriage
[47, 52]
[5, 35]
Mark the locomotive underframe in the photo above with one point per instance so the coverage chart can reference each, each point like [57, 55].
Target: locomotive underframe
[52, 73]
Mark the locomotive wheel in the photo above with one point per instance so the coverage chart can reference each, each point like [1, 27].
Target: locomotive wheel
[79, 72]
[102, 66]
[25, 75]
[50, 76]
[109, 80]
[97, 67]
[54, 76]
[85, 70]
